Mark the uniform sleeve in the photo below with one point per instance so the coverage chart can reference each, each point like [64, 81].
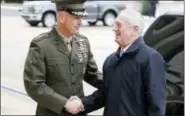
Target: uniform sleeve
[35, 78]
[92, 75]
[155, 86]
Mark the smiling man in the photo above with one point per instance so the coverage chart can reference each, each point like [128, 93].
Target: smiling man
[134, 76]
[58, 61]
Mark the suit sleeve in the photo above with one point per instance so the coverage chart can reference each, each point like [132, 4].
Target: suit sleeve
[92, 75]
[97, 99]
[155, 85]
[94, 101]
[35, 78]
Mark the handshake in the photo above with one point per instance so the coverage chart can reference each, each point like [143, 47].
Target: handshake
[74, 105]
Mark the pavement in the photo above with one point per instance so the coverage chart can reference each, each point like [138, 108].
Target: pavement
[16, 35]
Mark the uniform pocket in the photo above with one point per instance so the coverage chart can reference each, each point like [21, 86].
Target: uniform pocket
[57, 61]
[57, 69]
[81, 67]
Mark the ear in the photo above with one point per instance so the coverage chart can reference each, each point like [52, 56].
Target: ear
[61, 17]
[135, 30]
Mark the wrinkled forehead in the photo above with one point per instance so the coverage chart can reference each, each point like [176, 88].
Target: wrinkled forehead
[125, 18]
[119, 20]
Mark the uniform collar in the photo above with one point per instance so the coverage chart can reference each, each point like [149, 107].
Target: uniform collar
[66, 39]
[59, 42]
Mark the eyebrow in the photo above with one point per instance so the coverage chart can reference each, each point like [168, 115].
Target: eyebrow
[118, 22]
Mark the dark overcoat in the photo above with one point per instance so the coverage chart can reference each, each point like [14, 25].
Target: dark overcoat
[134, 84]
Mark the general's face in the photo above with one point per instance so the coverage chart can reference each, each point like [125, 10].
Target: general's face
[71, 22]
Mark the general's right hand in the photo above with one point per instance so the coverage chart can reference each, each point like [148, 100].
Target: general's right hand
[73, 105]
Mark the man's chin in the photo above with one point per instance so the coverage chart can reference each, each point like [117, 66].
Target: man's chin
[76, 31]
[117, 39]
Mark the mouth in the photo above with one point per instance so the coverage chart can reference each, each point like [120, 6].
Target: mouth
[77, 28]
[117, 34]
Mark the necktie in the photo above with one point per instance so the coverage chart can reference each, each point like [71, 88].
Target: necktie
[121, 52]
[69, 46]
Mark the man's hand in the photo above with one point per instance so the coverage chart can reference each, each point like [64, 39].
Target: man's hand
[74, 105]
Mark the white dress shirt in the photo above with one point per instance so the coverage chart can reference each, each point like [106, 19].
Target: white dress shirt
[122, 50]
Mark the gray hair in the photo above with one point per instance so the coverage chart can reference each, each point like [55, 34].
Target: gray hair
[132, 17]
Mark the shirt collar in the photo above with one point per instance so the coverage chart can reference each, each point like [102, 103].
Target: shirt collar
[66, 39]
[133, 48]
[124, 49]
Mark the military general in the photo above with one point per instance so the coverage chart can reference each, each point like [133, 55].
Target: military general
[58, 61]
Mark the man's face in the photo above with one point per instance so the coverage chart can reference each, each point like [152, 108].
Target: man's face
[71, 23]
[123, 32]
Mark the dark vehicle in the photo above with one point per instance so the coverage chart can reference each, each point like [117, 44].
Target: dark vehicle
[166, 35]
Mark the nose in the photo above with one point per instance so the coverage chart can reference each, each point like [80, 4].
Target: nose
[79, 20]
[114, 28]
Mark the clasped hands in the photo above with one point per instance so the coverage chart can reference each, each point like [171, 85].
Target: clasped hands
[74, 105]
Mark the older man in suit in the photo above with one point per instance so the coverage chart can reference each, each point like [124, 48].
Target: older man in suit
[133, 76]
